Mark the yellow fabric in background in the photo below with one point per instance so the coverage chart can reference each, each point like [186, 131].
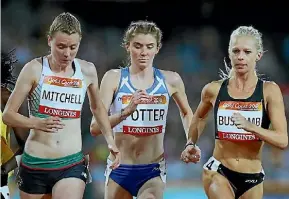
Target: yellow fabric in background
[6, 152]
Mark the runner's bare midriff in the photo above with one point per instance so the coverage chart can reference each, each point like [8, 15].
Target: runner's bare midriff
[242, 157]
[139, 149]
[62, 143]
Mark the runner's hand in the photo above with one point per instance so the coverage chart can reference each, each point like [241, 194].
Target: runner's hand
[191, 154]
[49, 125]
[138, 97]
[115, 152]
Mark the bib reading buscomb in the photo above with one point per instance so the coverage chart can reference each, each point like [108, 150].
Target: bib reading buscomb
[227, 130]
[58, 96]
[150, 116]
[252, 108]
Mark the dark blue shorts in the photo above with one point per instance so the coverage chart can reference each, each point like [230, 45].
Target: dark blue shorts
[133, 177]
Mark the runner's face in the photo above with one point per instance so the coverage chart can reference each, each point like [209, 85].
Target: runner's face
[64, 47]
[142, 49]
[243, 54]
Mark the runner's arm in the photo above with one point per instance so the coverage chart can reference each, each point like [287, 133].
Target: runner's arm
[278, 136]
[107, 88]
[24, 84]
[96, 105]
[180, 97]
[199, 119]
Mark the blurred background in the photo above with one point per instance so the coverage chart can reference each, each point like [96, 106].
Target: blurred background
[196, 37]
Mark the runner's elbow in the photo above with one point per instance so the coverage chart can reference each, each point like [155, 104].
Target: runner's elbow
[6, 117]
[284, 144]
[94, 130]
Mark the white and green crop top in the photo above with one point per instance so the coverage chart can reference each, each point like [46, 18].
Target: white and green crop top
[58, 96]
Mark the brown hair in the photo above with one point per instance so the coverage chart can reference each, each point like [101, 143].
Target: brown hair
[141, 27]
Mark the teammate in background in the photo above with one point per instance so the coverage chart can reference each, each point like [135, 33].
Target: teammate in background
[244, 106]
[56, 84]
[9, 155]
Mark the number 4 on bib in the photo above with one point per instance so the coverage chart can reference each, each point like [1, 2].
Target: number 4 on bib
[209, 165]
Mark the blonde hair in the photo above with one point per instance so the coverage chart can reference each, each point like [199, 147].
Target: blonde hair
[242, 31]
[66, 23]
